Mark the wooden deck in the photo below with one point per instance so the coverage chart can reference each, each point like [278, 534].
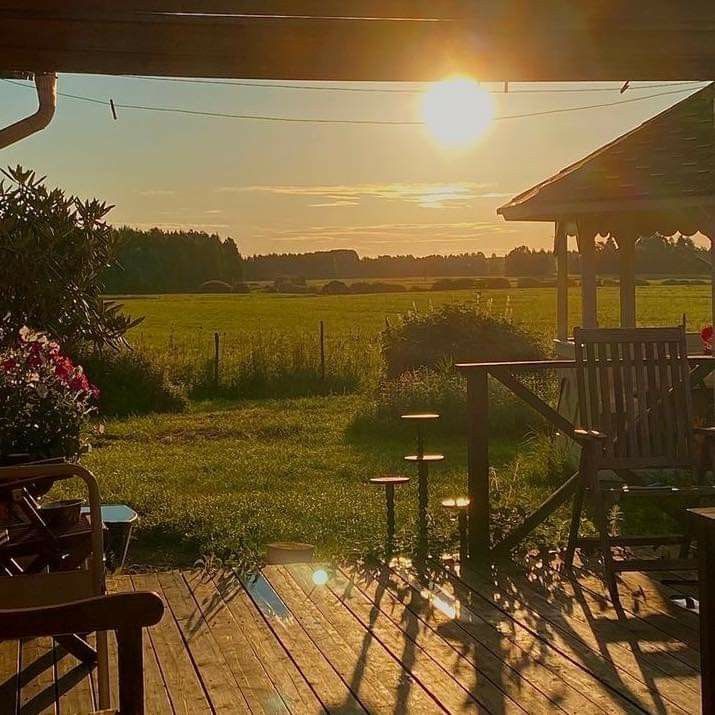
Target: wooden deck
[506, 644]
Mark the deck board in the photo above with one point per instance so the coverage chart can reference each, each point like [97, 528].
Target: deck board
[513, 642]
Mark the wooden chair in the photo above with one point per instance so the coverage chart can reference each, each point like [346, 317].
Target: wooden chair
[636, 416]
[124, 613]
[38, 568]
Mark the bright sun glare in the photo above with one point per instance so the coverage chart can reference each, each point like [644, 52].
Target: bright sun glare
[457, 111]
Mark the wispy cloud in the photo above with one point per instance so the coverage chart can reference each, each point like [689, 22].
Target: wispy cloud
[456, 194]
[178, 226]
[157, 192]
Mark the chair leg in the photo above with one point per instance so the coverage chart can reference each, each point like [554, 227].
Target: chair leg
[609, 573]
[576, 510]
[103, 669]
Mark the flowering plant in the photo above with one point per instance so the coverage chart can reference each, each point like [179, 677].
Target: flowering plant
[45, 399]
[706, 335]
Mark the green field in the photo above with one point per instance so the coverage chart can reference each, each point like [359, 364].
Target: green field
[195, 318]
[258, 470]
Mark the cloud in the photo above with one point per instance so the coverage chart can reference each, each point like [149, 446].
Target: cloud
[157, 192]
[177, 226]
[446, 195]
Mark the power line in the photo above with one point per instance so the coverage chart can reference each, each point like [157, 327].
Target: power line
[392, 90]
[359, 122]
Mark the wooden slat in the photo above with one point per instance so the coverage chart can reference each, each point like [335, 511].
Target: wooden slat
[177, 667]
[604, 384]
[9, 668]
[520, 674]
[253, 681]
[592, 388]
[629, 399]
[618, 438]
[364, 664]
[646, 447]
[276, 661]
[218, 682]
[669, 429]
[656, 423]
[318, 672]
[37, 676]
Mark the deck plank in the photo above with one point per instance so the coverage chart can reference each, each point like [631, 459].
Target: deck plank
[319, 672]
[290, 683]
[74, 684]
[254, 683]
[37, 677]
[520, 675]
[630, 641]
[218, 681]
[9, 682]
[597, 673]
[175, 663]
[378, 680]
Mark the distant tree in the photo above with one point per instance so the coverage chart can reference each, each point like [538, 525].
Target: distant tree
[523, 261]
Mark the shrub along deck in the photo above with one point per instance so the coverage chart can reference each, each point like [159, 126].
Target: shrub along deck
[516, 643]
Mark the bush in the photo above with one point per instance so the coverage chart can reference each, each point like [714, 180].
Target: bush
[54, 248]
[215, 287]
[493, 282]
[335, 288]
[445, 392]
[457, 332]
[293, 284]
[376, 287]
[131, 384]
[242, 288]
[453, 284]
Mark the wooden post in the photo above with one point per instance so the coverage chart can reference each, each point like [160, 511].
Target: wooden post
[216, 358]
[586, 238]
[704, 519]
[478, 466]
[322, 350]
[562, 281]
[627, 247]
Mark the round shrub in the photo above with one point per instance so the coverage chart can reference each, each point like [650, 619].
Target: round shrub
[242, 288]
[376, 287]
[456, 332]
[215, 287]
[453, 284]
[335, 288]
[131, 384]
[494, 282]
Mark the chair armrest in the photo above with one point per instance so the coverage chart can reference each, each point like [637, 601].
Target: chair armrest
[707, 432]
[101, 613]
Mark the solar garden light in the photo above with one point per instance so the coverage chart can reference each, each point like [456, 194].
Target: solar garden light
[422, 460]
[389, 482]
[459, 506]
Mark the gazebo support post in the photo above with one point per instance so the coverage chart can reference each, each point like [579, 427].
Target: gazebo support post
[626, 245]
[562, 281]
[586, 238]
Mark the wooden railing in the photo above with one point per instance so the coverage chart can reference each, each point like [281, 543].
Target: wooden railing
[480, 550]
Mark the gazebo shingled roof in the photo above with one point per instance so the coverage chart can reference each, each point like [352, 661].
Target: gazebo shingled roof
[659, 177]
[668, 162]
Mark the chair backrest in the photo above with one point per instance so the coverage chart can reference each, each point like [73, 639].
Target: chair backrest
[634, 385]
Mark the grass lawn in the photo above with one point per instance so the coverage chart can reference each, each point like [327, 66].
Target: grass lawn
[288, 469]
[293, 468]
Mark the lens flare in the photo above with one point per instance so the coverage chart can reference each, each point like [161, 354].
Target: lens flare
[320, 577]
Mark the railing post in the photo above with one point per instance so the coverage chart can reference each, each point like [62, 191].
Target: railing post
[478, 466]
[704, 519]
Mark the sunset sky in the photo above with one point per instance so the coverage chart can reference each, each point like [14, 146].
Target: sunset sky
[292, 187]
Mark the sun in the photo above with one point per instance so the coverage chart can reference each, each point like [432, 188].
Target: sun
[457, 111]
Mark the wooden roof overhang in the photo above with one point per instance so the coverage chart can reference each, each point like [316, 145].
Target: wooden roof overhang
[408, 40]
[658, 178]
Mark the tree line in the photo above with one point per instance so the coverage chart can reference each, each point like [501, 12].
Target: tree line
[156, 261]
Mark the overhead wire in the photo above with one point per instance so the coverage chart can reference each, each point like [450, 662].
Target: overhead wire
[357, 122]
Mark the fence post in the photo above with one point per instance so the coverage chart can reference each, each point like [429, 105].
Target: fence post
[216, 358]
[322, 350]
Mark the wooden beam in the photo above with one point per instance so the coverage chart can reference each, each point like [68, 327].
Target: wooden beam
[497, 40]
[586, 238]
[627, 247]
[478, 468]
[562, 281]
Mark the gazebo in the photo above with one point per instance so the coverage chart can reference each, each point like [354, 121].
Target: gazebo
[657, 178]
